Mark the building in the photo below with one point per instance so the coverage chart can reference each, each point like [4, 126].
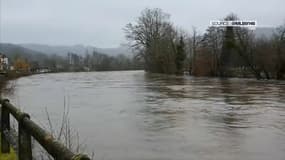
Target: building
[4, 62]
[74, 59]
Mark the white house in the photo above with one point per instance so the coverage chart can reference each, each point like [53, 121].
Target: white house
[4, 62]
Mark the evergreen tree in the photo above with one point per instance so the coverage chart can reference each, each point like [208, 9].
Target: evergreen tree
[228, 47]
[180, 56]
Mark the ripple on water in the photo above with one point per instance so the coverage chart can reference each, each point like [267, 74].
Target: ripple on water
[150, 115]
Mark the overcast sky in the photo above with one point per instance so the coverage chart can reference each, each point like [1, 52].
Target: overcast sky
[100, 22]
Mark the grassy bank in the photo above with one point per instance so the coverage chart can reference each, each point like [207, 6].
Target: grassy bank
[10, 156]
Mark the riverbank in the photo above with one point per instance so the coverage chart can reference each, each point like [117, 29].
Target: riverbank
[13, 75]
[5, 77]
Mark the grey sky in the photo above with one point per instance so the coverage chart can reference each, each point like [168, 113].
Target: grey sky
[100, 22]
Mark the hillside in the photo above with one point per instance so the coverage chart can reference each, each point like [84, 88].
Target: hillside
[13, 51]
[78, 49]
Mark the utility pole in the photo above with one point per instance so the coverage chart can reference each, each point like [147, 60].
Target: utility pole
[1, 9]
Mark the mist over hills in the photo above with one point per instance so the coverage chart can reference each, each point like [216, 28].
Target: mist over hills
[56, 59]
[83, 50]
[41, 51]
[62, 50]
[266, 32]
[13, 51]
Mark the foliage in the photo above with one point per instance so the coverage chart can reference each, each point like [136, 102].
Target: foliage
[21, 65]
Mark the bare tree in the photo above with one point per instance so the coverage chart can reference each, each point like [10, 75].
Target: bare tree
[154, 39]
[244, 46]
[265, 56]
[195, 40]
[280, 48]
[213, 40]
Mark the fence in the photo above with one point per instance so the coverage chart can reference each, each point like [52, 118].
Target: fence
[28, 129]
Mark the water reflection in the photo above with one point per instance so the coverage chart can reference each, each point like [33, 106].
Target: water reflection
[158, 111]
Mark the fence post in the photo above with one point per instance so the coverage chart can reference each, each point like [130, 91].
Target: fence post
[25, 140]
[28, 129]
[5, 125]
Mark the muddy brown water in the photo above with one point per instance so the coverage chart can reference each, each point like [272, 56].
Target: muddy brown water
[133, 115]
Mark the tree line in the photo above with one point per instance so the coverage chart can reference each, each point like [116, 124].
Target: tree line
[220, 51]
[73, 62]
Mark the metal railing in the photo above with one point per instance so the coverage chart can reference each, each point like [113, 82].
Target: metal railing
[28, 129]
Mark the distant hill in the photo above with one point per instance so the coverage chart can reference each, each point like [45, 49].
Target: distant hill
[267, 32]
[39, 52]
[13, 51]
[78, 49]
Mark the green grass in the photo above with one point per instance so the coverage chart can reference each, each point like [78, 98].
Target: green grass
[10, 156]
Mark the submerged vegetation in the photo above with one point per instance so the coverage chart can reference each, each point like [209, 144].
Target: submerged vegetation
[220, 51]
[157, 42]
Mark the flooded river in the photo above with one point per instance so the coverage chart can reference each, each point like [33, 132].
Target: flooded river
[133, 115]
